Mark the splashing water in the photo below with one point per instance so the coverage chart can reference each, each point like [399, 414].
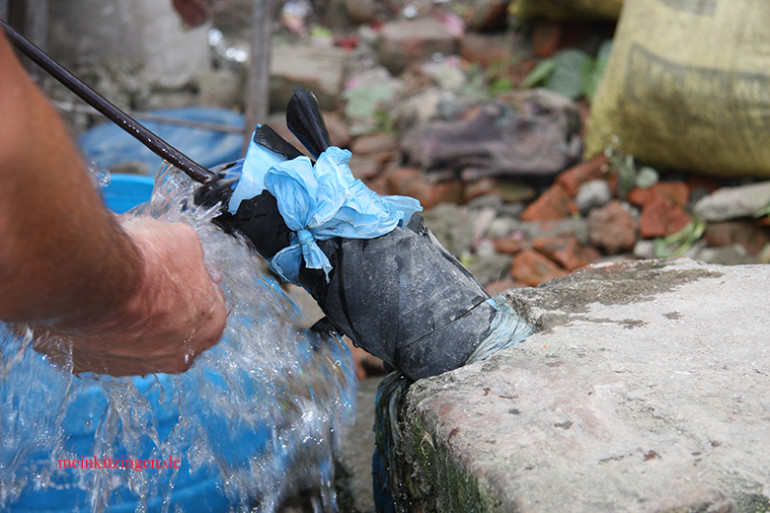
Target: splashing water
[256, 419]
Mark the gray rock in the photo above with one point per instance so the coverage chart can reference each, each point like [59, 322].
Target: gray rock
[735, 254]
[487, 266]
[408, 42]
[644, 249]
[452, 226]
[533, 137]
[595, 193]
[645, 390]
[734, 202]
[416, 109]
[646, 177]
[318, 69]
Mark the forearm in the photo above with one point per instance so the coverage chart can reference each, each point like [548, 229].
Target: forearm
[55, 234]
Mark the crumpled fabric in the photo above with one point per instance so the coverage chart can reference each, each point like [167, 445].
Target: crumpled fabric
[318, 202]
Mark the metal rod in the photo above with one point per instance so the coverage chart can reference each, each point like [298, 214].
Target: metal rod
[158, 146]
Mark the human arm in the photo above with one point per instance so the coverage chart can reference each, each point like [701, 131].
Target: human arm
[134, 299]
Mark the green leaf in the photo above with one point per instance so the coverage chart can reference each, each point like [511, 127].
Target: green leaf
[539, 74]
[566, 76]
[591, 74]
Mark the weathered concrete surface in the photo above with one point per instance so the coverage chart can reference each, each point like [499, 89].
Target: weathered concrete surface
[646, 389]
[147, 33]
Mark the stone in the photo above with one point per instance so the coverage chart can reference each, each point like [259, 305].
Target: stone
[482, 187]
[593, 194]
[509, 245]
[318, 69]
[643, 390]
[407, 42]
[734, 254]
[374, 143]
[745, 233]
[734, 202]
[538, 136]
[612, 228]
[565, 250]
[452, 226]
[574, 177]
[417, 108]
[512, 191]
[644, 249]
[534, 268]
[553, 204]
[366, 166]
[487, 268]
[503, 226]
[661, 217]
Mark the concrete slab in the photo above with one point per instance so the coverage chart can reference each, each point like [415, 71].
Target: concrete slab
[645, 389]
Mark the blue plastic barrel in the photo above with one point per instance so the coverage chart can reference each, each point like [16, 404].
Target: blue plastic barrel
[193, 490]
[107, 145]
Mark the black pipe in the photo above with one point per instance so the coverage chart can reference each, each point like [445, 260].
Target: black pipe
[157, 145]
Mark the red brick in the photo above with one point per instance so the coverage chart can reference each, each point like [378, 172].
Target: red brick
[399, 179]
[564, 249]
[553, 204]
[533, 268]
[508, 245]
[677, 192]
[574, 177]
[662, 217]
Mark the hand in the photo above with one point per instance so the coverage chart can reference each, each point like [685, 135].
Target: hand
[176, 312]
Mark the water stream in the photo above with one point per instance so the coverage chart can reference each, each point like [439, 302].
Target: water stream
[256, 419]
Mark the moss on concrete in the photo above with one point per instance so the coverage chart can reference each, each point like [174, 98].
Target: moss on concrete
[435, 483]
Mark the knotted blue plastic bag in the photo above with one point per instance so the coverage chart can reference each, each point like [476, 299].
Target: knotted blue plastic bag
[318, 202]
